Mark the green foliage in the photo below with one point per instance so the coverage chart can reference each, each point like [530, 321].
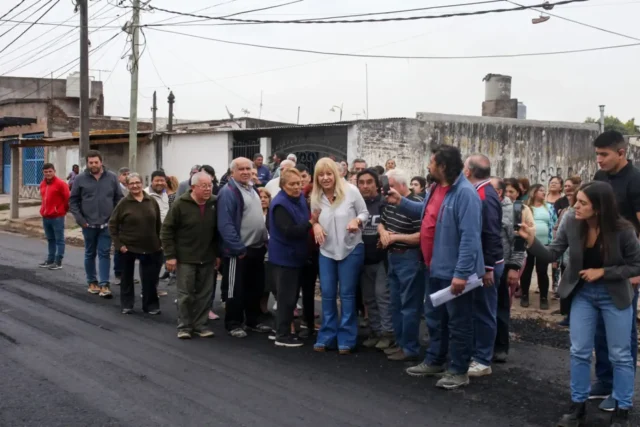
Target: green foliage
[613, 123]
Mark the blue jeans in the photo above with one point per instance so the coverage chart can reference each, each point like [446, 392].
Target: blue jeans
[485, 325]
[97, 241]
[406, 283]
[54, 230]
[589, 303]
[604, 370]
[450, 329]
[346, 272]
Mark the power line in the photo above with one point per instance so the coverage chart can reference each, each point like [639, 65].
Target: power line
[355, 55]
[360, 21]
[581, 23]
[16, 15]
[30, 26]
[13, 8]
[153, 62]
[196, 11]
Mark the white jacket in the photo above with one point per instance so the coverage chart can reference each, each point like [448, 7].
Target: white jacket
[162, 199]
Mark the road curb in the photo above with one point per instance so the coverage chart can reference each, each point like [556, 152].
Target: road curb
[20, 227]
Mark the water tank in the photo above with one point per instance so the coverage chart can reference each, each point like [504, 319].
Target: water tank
[73, 85]
[497, 87]
[522, 111]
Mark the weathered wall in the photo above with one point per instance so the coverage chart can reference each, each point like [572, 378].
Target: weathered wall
[181, 151]
[27, 108]
[534, 149]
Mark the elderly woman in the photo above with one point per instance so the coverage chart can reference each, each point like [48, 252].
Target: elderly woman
[289, 226]
[135, 229]
[339, 234]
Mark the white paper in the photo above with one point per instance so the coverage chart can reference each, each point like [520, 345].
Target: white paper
[445, 295]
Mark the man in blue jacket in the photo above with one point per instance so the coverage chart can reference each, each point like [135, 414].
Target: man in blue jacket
[450, 240]
[477, 169]
[242, 227]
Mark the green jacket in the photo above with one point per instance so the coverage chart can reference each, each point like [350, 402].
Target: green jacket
[136, 225]
[188, 236]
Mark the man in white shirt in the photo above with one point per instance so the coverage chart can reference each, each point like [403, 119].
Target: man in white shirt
[273, 186]
[158, 190]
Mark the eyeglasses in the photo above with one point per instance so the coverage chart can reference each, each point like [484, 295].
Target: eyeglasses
[133, 184]
[205, 186]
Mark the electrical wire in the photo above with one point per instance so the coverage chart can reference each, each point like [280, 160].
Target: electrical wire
[153, 62]
[355, 55]
[196, 11]
[361, 21]
[581, 23]
[16, 15]
[13, 8]
[31, 26]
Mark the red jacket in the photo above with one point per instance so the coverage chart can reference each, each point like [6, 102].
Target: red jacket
[55, 198]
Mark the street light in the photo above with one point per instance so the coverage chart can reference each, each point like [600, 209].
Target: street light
[333, 109]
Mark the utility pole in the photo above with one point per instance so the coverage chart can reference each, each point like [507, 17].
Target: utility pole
[171, 99]
[298, 121]
[153, 114]
[84, 80]
[134, 28]
[601, 118]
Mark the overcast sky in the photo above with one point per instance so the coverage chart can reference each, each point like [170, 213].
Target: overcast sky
[206, 76]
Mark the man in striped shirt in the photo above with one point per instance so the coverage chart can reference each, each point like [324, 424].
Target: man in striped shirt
[400, 235]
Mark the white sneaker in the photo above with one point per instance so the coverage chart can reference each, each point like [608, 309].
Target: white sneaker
[478, 369]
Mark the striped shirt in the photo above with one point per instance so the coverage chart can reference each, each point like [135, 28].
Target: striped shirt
[396, 222]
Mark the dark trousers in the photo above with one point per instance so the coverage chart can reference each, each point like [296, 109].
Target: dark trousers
[308, 285]
[150, 265]
[224, 283]
[246, 284]
[195, 286]
[287, 281]
[541, 272]
[503, 314]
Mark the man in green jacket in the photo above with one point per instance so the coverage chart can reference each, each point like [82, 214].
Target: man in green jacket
[189, 241]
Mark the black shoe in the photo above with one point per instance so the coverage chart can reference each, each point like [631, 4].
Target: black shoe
[56, 266]
[45, 264]
[260, 328]
[620, 418]
[524, 301]
[500, 357]
[127, 311]
[288, 341]
[576, 417]
[164, 276]
[544, 304]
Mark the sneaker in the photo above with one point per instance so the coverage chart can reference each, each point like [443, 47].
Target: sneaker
[477, 369]
[184, 335]
[500, 357]
[524, 301]
[288, 341]
[260, 328]
[452, 381]
[213, 316]
[127, 311]
[93, 288]
[620, 418]
[154, 312]
[46, 264]
[238, 333]
[204, 333]
[608, 404]
[56, 266]
[105, 292]
[424, 370]
[576, 416]
[371, 341]
[386, 341]
[391, 350]
[400, 356]
[544, 304]
[272, 335]
[599, 391]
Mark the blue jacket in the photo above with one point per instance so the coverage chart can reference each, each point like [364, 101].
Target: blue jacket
[491, 225]
[230, 208]
[457, 244]
[288, 251]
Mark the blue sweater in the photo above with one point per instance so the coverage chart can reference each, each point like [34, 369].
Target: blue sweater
[284, 250]
[491, 225]
[230, 208]
[457, 244]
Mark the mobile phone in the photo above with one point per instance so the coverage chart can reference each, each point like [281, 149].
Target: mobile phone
[517, 214]
[385, 189]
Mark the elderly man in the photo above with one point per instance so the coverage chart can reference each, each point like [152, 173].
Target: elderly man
[273, 186]
[477, 169]
[359, 165]
[189, 241]
[244, 235]
[400, 234]
[185, 185]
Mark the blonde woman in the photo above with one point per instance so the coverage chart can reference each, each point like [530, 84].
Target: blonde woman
[339, 234]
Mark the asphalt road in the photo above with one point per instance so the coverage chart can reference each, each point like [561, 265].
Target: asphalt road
[68, 358]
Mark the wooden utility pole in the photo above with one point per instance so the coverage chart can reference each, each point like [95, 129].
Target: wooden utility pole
[133, 109]
[84, 80]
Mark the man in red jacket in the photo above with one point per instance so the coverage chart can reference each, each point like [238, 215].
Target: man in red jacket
[55, 205]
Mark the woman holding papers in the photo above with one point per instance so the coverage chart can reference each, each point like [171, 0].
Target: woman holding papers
[603, 254]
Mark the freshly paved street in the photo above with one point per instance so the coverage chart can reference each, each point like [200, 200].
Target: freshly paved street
[68, 358]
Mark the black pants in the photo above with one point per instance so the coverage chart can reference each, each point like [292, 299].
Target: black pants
[150, 265]
[541, 272]
[287, 281]
[215, 285]
[308, 285]
[503, 315]
[245, 279]
[224, 284]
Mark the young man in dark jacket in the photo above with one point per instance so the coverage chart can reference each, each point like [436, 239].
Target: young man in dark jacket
[244, 236]
[477, 169]
[94, 195]
[189, 240]
[55, 205]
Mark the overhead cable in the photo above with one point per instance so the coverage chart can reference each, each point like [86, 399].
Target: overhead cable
[30, 26]
[13, 8]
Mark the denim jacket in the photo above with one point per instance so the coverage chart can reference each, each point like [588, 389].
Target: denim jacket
[457, 243]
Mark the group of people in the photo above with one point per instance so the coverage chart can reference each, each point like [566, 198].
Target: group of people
[389, 242]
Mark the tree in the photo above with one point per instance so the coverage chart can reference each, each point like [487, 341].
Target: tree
[614, 123]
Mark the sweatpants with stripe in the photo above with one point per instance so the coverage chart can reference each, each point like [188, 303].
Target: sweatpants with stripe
[246, 285]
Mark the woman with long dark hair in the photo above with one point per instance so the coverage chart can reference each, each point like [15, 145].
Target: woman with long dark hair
[604, 254]
[545, 218]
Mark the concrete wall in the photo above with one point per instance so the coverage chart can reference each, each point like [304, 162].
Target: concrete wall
[181, 151]
[28, 108]
[535, 149]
